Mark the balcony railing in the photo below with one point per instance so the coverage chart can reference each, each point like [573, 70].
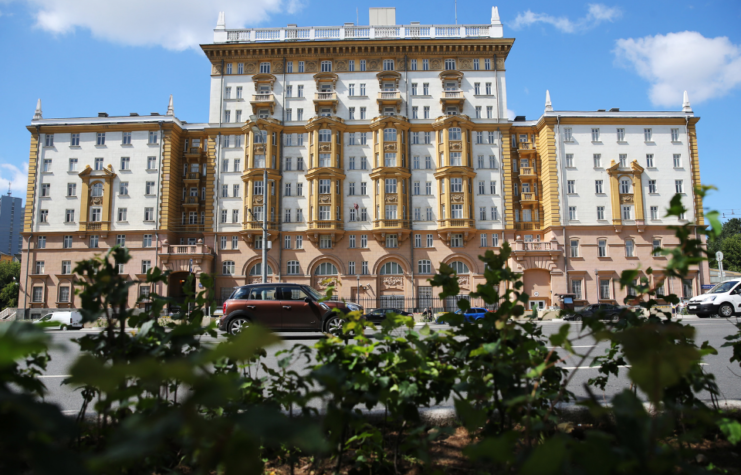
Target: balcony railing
[263, 97]
[257, 225]
[186, 249]
[391, 223]
[536, 246]
[527, 226]
[528, 197]
[456, 223]
[325, 96]
[389, 95]
[453, 94]
[352, 32]
[527, 171]
[326, 225]
[94, 226]
[191, 200]
[193, 176]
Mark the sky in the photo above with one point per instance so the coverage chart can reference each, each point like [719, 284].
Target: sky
[81, 57]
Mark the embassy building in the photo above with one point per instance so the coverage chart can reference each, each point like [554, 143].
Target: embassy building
[388, 151]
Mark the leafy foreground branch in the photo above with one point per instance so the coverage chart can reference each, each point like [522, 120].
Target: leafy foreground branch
[161, 400]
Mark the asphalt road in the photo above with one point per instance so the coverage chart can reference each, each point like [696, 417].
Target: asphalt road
[728, 376]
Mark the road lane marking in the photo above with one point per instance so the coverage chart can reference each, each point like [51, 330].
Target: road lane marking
[55, 376]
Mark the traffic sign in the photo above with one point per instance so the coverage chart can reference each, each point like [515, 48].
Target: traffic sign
[719, 255]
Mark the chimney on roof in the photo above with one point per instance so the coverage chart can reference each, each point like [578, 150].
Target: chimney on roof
[615, 109]
[154, 113]
[496, 30]
[686, 107]
[102, 114]
[37, 115]
[133, 114]
[382, 16]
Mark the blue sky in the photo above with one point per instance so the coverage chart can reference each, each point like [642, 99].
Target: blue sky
[82, 57]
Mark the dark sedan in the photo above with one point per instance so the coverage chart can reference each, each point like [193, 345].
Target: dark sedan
[605, 311]
[377, 315]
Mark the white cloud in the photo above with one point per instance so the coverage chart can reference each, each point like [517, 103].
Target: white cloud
[511, 114]
[173, 24]
[18, 179]
[596, 14]
[705, 67]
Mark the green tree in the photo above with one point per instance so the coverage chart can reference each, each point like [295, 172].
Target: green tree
[732, 227]
[8, 286]
[732, 253]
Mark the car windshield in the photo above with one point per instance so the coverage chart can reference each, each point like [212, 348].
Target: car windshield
[45, 318]
[723, 287]
[314, 293]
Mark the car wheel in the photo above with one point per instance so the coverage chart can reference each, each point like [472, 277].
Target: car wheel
[238, 324]
[725, 310]
[334, 325]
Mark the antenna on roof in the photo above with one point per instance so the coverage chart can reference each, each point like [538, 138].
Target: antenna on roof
[357, 17]
[9, 187]
[456, 12]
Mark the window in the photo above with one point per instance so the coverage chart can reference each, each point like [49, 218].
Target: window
[122, 214]
[576, 289]
[67, 242]
[652, 186]
[574, 246]
[301, 66]
[677, 160]
[569, 160]
[598, 187]
[567, 137]
[146, 265]
[49, 140]
[121, 240]
[326, 66]
[449, 64]
[148, 214]
[649, 160]
[390, 185]
[456, 240]
[41, 242]
[600, 212]
[679, 186]
[96, 214]
[235, 216]
[597, 160]
[38, 294]
[656, 247]
[265, 68]
[602, 248]
[595, 135]
[149, 188]
[100, 138]
[64, 291]
[69, 216]
[647, 135]
[624, 185]
[39, 267]
[227, 268]
[44, 216]
[629, 248]
[151, 163]
[478, 116]
[326, 268]
[626, 211]
[153, 137]
[570, 187]
[621, 135]
[456, 185]
[125, 163]
[424, 266]
[388, 64]
[98, 164]
[495, 213]
[675, 135]
[654, 212]
[45, 189]
[482, 213]
[392, 240]
[363, 241]
[572, 213]
[75, 140]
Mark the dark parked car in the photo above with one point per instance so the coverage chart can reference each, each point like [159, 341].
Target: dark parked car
[472, 314]
[606, 311]
[377, 315]
[287, 307]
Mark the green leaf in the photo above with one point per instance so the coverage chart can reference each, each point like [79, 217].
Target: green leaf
[471, 417]
[731, 429]
[245, 344]
[546, 458]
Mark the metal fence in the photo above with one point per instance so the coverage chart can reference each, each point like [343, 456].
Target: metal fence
[419, 304]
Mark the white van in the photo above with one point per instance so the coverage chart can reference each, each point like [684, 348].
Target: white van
[724, 299]
[65, 319]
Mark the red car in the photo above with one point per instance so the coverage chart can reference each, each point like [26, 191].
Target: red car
[286, 307]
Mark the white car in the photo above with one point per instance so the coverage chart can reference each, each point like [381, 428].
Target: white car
[65, 320]
[724, 299]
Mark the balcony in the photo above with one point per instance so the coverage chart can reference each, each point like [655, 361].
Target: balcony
[325, 99]
[192, 177]
[527, 174]
[533, 226]
[339, 225]
[263, 101]
[528, 198]
[190, 202]
[389, 99]
[195, 258]
[550, 249]
[189, 249]
[194, 154]
[95, 226]
[257, 225]
[452, 98]
[391, 224]
[526, 148]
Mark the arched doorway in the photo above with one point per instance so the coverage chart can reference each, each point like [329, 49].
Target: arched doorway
[391, 275]
[177, 285]
[255, 274]
[463, 272]
[537, 284]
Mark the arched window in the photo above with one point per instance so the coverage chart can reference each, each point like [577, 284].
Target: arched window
[97, 189]
[257, 269]
[459, 267]
[391, 268]
[227, 268]
[326, 268]
[454, 133]
[625, 185]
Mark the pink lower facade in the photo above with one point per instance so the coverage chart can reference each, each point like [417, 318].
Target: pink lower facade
[585, 261]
